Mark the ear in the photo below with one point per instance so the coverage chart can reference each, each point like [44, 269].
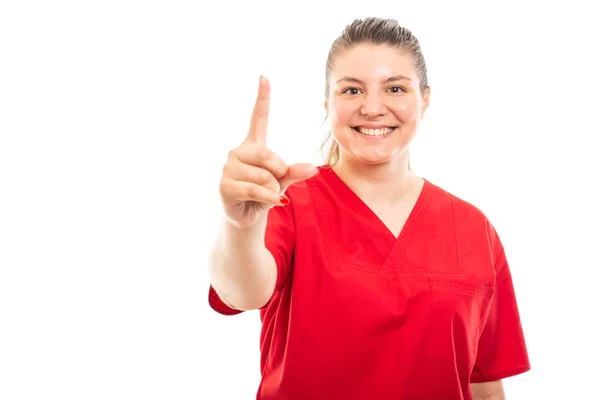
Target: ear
[326, 107]
[426, 97]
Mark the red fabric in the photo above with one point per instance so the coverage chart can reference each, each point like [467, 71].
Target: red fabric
[361, 314]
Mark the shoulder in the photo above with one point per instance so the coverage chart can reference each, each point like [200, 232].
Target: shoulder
[446, 201]
[469, 219]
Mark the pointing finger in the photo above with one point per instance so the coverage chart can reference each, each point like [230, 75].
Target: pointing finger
[260, 115]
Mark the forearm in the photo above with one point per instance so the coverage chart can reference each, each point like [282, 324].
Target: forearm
[242, 271]
[488, 391]
[490, 397]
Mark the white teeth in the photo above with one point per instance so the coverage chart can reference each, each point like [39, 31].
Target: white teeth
[375, 132]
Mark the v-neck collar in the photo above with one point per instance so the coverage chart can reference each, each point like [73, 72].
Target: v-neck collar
[355, 202]
[397, 244]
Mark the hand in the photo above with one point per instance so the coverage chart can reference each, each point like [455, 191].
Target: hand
[255, 178]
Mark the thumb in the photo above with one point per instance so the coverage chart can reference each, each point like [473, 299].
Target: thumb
[297, 173]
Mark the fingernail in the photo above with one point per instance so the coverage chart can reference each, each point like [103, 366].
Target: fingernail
[284, 200]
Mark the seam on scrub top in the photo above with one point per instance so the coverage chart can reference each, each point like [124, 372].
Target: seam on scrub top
[473, 289]
[501, 257]
[459, 270]
[403, 243]
[456, 218]
[501, 375]
[412, 271]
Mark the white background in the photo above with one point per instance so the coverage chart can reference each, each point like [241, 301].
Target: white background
[115, 120]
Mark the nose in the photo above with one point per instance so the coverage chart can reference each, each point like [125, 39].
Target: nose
[373, 106]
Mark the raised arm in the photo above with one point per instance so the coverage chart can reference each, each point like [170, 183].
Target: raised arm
[241, 269]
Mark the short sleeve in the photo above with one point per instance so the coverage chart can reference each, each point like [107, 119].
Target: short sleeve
[279, 240]
[502, 351]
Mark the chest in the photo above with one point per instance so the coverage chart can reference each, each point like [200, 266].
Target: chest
[382, 292]
[392, 218]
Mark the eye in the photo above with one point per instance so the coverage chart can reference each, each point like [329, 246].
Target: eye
[397, 89]
[351, 90]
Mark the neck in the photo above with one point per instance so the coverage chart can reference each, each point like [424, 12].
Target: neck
[380, 183]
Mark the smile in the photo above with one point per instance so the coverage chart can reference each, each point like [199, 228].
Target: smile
[378, 132]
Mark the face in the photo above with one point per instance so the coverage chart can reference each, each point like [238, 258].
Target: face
[374, 103]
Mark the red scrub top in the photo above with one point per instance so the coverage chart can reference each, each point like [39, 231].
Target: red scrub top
[360, 314]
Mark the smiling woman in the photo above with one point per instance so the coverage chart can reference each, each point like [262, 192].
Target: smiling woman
[372, 282]
[375, 90]
[392, 75]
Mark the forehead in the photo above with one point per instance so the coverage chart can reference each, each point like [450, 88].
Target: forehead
[373, 62]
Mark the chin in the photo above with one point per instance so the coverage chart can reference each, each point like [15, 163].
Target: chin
[371, 152]
[373, 159]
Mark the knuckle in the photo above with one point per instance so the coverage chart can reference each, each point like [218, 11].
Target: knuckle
[232, 154]
[264, 154]
[264, 176]
[262, 113]
[252, 191]
[228, 169]
[224, 186]
[281, 169]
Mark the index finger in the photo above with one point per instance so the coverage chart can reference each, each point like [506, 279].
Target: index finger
[260, 115]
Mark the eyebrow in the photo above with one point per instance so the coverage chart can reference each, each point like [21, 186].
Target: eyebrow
[388, 80]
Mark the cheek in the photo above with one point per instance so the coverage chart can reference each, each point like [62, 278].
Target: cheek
[340, 117]
[340, 113]
[407, 111]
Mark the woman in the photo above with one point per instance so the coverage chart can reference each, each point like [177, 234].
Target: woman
[372, 283]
